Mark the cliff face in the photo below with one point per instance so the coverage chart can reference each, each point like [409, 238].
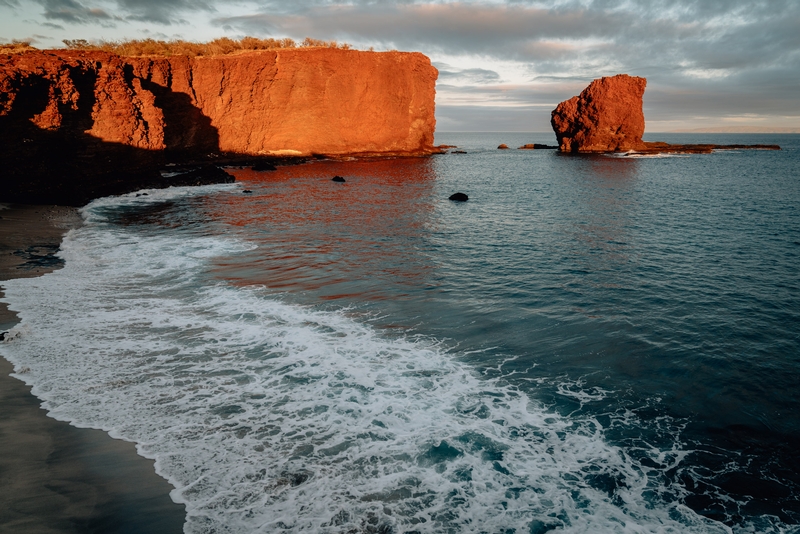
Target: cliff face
[606, 117]
[74, 121]
[291, 102]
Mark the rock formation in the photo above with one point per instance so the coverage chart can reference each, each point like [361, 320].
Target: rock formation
[606, 117]
[536, 146]
[94, 116]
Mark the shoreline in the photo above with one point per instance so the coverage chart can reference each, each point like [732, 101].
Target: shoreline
[56, 477]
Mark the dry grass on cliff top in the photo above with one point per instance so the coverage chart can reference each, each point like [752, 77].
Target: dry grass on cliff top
[15, 46]
[217, 47]
[151, 47]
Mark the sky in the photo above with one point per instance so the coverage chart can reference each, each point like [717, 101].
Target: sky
[503, 65]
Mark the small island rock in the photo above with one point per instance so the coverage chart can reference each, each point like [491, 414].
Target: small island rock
[459, 197]
[338, 179]
[503, 147]
[606, 117]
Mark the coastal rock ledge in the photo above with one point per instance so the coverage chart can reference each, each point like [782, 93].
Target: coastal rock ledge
[88, 116]
[606, 117]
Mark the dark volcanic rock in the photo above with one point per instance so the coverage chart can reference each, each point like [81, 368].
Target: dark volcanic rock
[660, 147]
[459, 197]
[205, 175]
[536, 146]
[264, 166]
[338, 179]
[606, 117]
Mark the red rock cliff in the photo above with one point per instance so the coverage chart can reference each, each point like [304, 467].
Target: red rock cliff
[606, 117]
[286, 102]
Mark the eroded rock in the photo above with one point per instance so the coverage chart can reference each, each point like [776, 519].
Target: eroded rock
[75, 125]
[606, 117]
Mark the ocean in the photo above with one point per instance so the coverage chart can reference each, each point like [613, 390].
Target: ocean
[589, 344]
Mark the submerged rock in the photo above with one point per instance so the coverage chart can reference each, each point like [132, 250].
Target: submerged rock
[459, 197]
[606, 117]
[264, 166]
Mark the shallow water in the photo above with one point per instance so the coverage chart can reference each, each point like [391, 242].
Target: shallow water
[596, 343]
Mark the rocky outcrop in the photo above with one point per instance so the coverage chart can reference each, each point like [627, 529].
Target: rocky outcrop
[536, 146]
[659, 147]
[93, 116]
[606, 117]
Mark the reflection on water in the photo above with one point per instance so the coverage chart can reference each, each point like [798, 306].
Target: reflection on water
[608, 209]
[316, 234]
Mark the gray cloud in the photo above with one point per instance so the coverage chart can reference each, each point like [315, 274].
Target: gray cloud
[492, 119]
[704, 35]
[473, 76]
[163, 11]
[712, 56]
[73, 11]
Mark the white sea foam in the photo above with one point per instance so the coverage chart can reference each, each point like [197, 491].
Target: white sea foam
[267, 416]
[639, 155]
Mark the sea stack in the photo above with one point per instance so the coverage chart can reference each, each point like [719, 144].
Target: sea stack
[606, 117]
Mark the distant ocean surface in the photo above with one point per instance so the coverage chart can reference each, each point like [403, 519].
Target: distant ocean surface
[589, 344]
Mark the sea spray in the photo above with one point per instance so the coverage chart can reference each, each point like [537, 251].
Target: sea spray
[270, 416]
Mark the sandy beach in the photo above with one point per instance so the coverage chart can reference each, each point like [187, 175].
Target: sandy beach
[55, 477]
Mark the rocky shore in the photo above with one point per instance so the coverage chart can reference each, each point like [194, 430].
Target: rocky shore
[58, 478]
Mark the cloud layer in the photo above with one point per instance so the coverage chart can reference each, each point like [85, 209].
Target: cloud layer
[714, 60]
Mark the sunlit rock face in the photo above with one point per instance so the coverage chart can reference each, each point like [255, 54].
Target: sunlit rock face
[75, 125]
[606, 117]
[282, 102]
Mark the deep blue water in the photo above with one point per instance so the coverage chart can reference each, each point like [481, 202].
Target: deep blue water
[590, 343]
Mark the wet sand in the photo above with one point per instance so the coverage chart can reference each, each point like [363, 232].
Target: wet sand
[54, 477]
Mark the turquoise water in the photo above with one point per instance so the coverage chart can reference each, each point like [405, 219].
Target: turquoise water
[598, 343]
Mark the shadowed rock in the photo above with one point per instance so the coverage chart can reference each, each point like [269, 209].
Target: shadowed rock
[459, 197]
[536, 146]
[205, 175]
[338, 179]
[264, 166]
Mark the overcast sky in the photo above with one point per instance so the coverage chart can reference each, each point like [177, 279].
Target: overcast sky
[504, 65]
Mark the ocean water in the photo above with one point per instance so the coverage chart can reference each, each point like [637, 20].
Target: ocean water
[589, 344]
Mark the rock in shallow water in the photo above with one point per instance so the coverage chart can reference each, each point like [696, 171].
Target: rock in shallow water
[338, 179]
[264, 166]
[606, 117]
[459, 197]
